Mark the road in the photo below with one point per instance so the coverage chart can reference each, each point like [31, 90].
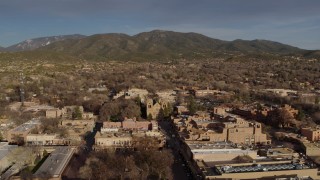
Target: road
[72, 171]
[181, 167]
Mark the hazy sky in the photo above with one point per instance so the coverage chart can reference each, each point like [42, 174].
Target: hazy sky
[294, 22]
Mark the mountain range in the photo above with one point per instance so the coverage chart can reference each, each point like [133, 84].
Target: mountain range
[36, 43]
[152, 45]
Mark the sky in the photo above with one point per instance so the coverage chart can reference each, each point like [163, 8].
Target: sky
[293, 22]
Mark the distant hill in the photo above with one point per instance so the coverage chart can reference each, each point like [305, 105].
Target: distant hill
[256, 46]
[151, 45]
[2, 49]
[36, 43]
[312, 54]
[162, 44]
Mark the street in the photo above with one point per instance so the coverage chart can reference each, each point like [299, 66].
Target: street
[181, 167]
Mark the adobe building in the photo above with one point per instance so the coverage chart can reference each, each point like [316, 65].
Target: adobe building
[112, 140]
[312, 134]
[132, 124]
[20, 133]
[168, 95]
[53, 113]
[153, 107]
[109, 126]
[136, 93]
[261, 170]
[216, 151]
[239, 132]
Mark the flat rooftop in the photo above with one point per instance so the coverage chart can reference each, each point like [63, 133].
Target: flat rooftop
[5, 149]
[55, 164]
[260, 167]
[210, 145]
[112, 134]
[27, 126]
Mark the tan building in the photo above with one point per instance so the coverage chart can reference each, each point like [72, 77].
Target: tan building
[41, 139]
[181, 110]
[19, 134]
[281, 92]
[169, 95]
[135, 93]
[239, 132]
[205, 92]
[112, 140]
[312, 149]
[53, 113]
[311, 134]
[132, 124]
[153, 107]
[79, 124]
[54, 166]
[67, 111]
[217, 151]
[109, 126]
[221, 111]
[5, 151]
[267, 170]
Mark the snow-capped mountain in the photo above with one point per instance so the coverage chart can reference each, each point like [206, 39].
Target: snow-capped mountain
[35, 43]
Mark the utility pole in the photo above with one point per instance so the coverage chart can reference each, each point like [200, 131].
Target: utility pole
[21, 89]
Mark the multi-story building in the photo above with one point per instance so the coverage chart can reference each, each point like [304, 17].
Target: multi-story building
[239, 132]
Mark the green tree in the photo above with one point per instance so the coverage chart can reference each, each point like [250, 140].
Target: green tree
[167, 110]
[317, 100]
[301, 115]
[77, 114]
[45, 153]
[192, 105]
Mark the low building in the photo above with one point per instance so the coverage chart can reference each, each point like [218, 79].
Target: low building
[53, 113]
[109, 126]
[87, 115]
[81, 125]
[53, 167]
[267, 170]
[217, 151]
[68, 111]
[221, 111]
[5, 150]
[312, 149]
[19, 134]
[281, 92]
[112, 140]
[132, 124]
[41, 139]
[312, 134]
[239, 132]
[181, 110]
[169, 95]
[136, 93]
